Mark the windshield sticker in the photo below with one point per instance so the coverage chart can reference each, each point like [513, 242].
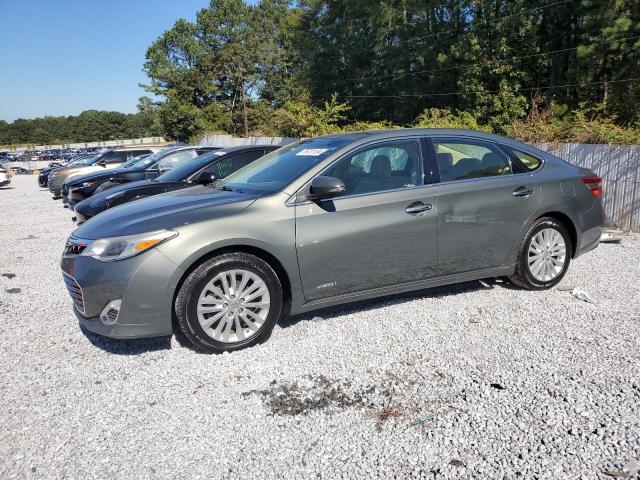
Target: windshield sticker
[311, 152]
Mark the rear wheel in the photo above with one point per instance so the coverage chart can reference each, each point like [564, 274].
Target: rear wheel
[230, 302]
[544, 255]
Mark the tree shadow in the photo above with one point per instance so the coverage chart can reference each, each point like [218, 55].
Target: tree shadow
[390, 300]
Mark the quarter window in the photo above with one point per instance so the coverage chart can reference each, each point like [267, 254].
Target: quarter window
[463, 159]
[384, 166]
[529, 162]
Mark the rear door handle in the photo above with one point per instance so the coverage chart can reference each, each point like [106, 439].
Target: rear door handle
[522, 192]
[417, 208]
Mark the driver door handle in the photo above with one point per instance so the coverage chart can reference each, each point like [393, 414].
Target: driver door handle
[417, 208]
[522, 192]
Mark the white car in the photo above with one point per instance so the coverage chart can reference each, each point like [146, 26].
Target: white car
[5, 177]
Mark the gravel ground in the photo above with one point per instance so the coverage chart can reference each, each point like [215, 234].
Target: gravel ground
[469, 381]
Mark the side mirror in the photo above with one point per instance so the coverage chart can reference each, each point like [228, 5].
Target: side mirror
[102, 163]
[325, 187]
[205, 178]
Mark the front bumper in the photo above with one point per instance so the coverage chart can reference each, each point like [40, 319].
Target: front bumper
[55, 185]
[75, 196]
[146, 284]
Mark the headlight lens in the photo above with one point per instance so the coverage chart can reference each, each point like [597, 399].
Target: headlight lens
[118, 248]
[87, 184]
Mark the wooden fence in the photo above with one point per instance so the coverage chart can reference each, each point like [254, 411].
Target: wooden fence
[619, 167]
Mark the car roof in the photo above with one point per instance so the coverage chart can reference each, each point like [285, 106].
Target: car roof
[241, 147]
[407, 132]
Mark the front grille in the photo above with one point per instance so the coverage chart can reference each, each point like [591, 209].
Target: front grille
[74, 248]
[64, 190]
[75, 291]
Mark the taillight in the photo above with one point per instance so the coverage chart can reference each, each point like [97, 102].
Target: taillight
[594, 184]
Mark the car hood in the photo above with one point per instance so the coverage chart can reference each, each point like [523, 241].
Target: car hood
[75, 171]
[100, 199]
[165, 211]
[93, 176]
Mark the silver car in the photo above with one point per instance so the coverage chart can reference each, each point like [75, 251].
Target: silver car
[328, 221]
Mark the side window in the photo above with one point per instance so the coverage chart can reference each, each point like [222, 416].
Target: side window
[530, 162]
[463, 159]
[173, 159]
[227, 166]
[115, 157]
[383, 166]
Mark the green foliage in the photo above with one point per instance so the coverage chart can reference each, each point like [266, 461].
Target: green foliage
[301, 119]
[520, 67]
[89, 126]
[444, 118]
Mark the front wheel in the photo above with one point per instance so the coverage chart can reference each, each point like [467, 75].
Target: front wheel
[544, 255]
[230, 302]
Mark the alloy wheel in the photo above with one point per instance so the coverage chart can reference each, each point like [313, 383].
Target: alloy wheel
[547, 254]
[233, 306]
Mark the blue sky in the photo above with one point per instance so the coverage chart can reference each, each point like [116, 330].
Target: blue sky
[60, 57]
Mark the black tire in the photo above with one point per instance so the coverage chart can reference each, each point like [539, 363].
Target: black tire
[522, 275]
[187, 299]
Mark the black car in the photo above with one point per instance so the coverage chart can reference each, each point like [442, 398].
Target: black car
[76, 189]
[205, 169]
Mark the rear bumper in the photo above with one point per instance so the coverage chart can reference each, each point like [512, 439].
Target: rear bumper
[591, 224]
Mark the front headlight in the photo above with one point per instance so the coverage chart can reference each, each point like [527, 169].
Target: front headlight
[87, 184]
[55, 174]
[118, 248]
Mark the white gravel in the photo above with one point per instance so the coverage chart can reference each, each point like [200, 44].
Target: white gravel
[468, 381]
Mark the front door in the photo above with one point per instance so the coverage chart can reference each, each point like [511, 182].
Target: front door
[482, 204]
[381, 232]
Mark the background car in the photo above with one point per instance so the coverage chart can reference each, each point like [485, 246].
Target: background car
[107, 159]
[202, 170]
[43, 174]
[5, 177]
[78, 188]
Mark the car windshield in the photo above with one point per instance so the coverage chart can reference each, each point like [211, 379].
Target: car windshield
[184, 169]
[133, 161]
[276, 170]
[147, 160]
[90, 160]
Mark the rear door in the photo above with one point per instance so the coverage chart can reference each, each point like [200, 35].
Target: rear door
[482, 203]
[381, 232]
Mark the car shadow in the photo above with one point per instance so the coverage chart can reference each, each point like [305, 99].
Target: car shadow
[144, 345]
[390, 300]
[127, 347]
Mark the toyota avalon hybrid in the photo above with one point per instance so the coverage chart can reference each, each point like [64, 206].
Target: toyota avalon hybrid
[327, 221]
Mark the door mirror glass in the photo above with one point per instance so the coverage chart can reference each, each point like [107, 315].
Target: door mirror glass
[325, 187]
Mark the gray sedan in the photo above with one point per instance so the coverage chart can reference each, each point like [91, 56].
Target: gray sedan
[327, 221]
